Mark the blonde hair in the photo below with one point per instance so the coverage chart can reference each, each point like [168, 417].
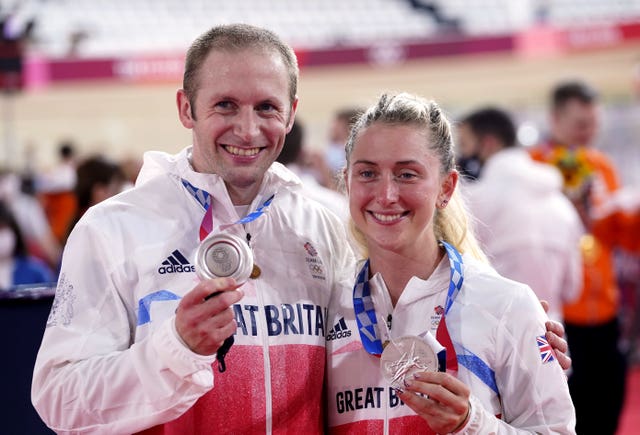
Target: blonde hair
[451, 224]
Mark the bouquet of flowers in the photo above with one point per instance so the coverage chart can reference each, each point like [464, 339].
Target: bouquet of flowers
[576, 171]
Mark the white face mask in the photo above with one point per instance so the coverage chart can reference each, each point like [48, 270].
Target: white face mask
[7, 243]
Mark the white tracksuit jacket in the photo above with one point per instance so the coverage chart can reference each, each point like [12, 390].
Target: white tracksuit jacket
[111, 361]
[494, 318]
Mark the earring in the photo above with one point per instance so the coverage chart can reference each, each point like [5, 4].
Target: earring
[444, 203]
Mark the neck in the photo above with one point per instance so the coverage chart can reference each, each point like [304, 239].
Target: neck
[397, 268]
[242, 196]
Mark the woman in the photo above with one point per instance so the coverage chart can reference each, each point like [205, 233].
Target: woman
[501, 376]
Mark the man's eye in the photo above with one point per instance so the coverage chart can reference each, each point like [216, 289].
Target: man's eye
[366, 173]
[407, 175]
[224, 105]
[266, 107]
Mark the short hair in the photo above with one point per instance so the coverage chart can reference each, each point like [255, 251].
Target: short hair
[234, 37]
[66, 149]
[293, 143]
[572, 90]
[491, 121]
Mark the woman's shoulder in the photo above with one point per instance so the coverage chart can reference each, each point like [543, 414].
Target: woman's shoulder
[484, 285]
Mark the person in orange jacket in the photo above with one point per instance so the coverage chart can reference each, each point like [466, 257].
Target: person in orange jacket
[592, 321]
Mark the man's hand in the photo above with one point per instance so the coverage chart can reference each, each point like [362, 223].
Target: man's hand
[203, 322]
[555, 337]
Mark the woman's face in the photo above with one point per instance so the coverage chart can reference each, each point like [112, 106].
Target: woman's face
[394, 184]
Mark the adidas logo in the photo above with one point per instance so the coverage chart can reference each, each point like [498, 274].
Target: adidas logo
[176, 262]
[339, 330]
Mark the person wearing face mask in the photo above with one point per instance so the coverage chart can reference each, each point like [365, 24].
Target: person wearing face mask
[526, 226]
[17, 267]
[338, 134]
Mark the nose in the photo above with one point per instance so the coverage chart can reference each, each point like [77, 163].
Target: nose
[246, 124]
[388, 190]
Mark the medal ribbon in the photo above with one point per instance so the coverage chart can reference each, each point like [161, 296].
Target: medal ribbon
[370, 334]
[204, 199]
[206, 227]
[365, 310]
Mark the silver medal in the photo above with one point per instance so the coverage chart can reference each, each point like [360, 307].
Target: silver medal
[224, 255]
[404, 356]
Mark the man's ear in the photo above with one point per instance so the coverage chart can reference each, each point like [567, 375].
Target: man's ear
[185, 112]
[345, 179]
[292, 115]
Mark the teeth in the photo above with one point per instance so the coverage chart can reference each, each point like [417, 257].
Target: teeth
[242, 151]
[387, 217]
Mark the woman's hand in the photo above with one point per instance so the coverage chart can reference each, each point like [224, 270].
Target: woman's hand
[439, 398]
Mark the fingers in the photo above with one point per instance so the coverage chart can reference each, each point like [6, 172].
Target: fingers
[556, 327]
[441, 387]
[560, 347]
[439, 398]
[204, 318]
[207, 287]
[564, 360]
[545, 305]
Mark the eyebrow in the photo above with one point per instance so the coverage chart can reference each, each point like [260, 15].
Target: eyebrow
[401, 162]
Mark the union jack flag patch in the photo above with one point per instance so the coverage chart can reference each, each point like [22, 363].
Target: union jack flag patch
[546, 351]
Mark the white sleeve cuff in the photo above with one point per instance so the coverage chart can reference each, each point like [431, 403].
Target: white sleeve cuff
[179, 358]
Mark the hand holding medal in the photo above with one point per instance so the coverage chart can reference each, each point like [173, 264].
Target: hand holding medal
[406, 356]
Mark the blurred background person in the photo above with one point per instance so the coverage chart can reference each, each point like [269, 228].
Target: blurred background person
[32, 220]
[528, 228]
[338, 134]
[589, 178]
[296, 156]
[55, 190]
[17, 266]
[98, 178]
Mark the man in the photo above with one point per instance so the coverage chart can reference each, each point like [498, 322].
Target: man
[529, 229]
[132, 337]
[589, 179]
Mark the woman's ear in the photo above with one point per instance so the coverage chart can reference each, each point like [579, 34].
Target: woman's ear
[448, 186]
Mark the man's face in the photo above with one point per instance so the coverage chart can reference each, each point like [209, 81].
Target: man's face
[241, 114]
[575, 123]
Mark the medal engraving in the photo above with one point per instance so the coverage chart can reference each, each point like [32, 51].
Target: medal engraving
[224, 255]
[405, 356]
